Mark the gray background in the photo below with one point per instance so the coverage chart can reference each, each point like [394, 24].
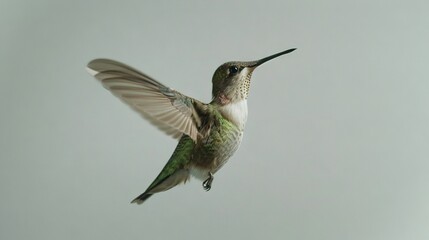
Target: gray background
[336, 145]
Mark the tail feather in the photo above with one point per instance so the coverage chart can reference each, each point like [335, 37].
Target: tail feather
[163, 183]
[140, 199]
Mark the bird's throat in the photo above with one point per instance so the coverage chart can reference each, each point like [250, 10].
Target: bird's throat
[235, 112]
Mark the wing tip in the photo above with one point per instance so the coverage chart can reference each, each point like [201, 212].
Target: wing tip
[91, 71]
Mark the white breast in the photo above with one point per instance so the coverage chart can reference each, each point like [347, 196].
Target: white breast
[236, 113]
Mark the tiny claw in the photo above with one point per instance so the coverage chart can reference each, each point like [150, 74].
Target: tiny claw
[207, 184]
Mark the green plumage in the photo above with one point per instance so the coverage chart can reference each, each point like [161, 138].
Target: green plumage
[180, 158]
[219, 139]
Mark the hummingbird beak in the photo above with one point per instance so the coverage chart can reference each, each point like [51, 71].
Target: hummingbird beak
[256, 63]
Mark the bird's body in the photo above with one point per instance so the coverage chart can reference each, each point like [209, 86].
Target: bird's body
[209, 134]
[219, 138]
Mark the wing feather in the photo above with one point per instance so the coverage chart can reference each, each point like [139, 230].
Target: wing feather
[168, 109]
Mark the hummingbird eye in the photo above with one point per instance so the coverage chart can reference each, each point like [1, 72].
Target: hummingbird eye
[233, 70]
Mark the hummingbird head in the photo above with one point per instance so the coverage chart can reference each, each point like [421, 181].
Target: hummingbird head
[231, 81]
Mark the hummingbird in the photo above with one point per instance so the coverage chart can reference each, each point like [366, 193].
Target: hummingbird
[208, 133]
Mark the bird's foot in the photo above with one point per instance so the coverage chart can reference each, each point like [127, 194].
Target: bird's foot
[207, 184]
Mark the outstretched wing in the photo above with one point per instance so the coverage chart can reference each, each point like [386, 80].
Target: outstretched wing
[169, 110]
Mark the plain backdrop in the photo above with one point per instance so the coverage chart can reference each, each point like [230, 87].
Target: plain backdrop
[336, 143]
